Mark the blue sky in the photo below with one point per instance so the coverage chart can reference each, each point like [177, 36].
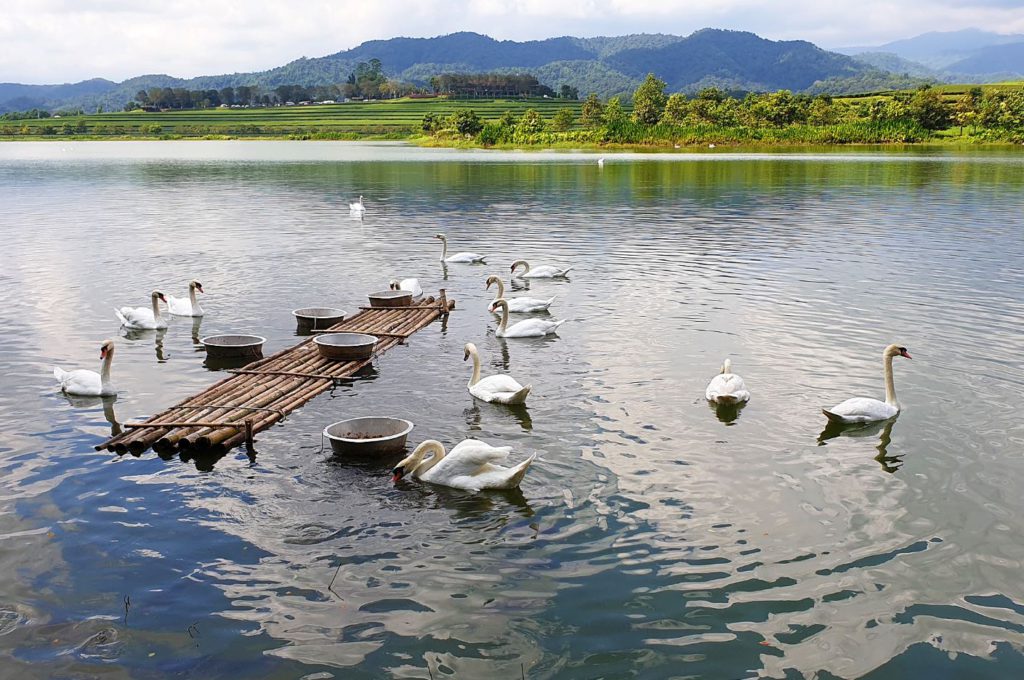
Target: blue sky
[47, 41]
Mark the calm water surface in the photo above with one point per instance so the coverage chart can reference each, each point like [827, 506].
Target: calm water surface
[654, 537]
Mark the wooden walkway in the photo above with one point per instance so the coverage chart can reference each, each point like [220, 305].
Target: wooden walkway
[254, 397]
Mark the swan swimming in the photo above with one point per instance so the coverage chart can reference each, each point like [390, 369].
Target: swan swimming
[141, 318]
[519, 305]
[495, 389]
[727, 387]
[85, 383]
[187, 307]
[544, 271]
[527, 328]
[469, 466]
[866, 410]
[457, 257]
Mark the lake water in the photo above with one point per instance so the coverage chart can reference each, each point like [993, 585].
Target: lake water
[653, 538]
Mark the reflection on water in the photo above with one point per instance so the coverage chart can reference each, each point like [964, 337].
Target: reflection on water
[727, 413]
[106, 403]
[647, 540]
[881, 428]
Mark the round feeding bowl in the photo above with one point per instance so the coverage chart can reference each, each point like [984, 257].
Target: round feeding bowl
[345, 346]
[314, 318]
[391, 298]
[233, 346]
[371, 436]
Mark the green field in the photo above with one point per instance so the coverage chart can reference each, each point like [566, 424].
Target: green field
[386, 119]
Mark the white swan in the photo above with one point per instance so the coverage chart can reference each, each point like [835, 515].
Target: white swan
[189, 307]
[496, 389]
[527, 328]
[544, 271]
[600, 162]
[519, 305]
[469, 466]
[358, 206]
[457, 257]
[86, 383]
[865, 410]
[409, 285]
[142, 318]
[727, 387]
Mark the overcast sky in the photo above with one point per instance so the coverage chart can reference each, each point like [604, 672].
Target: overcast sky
[53, 41]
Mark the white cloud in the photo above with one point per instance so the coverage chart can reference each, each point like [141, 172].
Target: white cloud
[67, 40]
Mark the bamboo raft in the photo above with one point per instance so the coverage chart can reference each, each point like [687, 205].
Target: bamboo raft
[258, 395]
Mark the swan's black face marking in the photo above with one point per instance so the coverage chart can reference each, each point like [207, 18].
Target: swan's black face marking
[466, 358]
[905, 353]
[199, 287]
[397, 473]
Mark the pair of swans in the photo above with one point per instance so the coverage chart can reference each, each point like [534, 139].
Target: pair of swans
[544, 271]
[728, 388]
[470, 466]
[527, 328]
[148, 319]
[519, 305]
[464, 257]
[409, 285]
[495, 389]
[85, 383]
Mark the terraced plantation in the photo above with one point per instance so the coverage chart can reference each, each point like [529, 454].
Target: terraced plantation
[384, 119]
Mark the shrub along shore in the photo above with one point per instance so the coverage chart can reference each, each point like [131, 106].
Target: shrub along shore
[652, 119]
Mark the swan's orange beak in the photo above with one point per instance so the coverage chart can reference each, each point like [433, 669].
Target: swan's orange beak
[905, 354]
[103, 353]
[200, 289]
[396, 474]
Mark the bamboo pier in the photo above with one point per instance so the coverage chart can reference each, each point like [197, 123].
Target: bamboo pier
[262, 393]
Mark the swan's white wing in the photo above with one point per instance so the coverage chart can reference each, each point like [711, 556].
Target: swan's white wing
[179, 306]
[499, 383]
[412, 286]
[528, 304]
[494, 477]
[137, 317]
[533, 328]
[82, 382]
[862, 410]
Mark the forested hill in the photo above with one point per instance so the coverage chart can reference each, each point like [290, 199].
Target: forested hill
[606, 65]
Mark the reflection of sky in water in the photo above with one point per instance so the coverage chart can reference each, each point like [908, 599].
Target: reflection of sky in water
[648, 531]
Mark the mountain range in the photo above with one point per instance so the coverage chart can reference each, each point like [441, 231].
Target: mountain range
[966, 55]
[733, 60]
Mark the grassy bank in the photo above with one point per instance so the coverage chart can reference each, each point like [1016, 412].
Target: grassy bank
[403, 120]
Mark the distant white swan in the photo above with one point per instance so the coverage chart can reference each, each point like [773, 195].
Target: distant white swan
[527, 328]
[457, 257]
[357, 207]
[142, 318]
[409, 285]
[495, 389]
[470, 466]
[519, 305]
[866, 410]
[600, 162]
[187, 307]
[85, 383]
[544, 271]
[727, 387]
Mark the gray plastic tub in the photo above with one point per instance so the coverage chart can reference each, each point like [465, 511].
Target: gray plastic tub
[345, 346]
[391, 298]
[233, 346]
[317, 318]
[370, 436]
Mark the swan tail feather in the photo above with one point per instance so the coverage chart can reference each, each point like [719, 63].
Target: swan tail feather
[520, 471]
[833, 417]
[59, 373]
[121, 317]
[569, 269]
[520, 396]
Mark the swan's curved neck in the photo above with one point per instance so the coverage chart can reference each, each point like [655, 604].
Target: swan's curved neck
[105, 369]
[501, 290]
[504, 317]
[890, 387]
[525, 265]
[156, 308]
[192, 294]
[422, 466]
[476, 369]
[444, 249]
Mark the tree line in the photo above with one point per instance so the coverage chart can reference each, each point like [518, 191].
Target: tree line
[657, 117]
